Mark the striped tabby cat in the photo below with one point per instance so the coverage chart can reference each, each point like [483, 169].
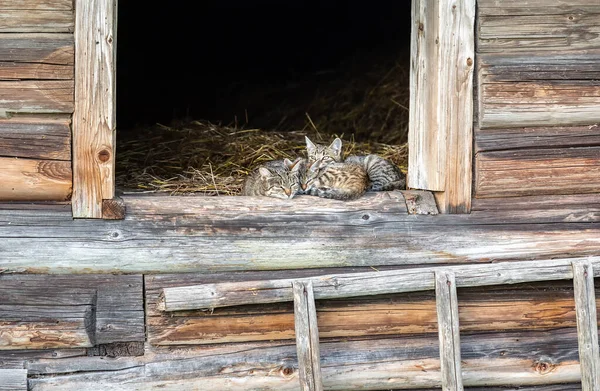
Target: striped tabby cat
[383, 174]
[339, 181]
[277, 178]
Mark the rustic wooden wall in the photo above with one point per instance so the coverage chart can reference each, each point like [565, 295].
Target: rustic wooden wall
[538, 113]
[36, 99]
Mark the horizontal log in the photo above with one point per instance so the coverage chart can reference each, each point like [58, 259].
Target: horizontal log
[44, 17]
[535, 7]
[17, 359]
[523, 33]
[13, 379]
[58, 5]
[530, 138]
[36, 96]
[362, 284]
[163, 234]
[539, 103]
[36, 56]
[36, 138]
[502, 359]
[537, 171]
[35, 180]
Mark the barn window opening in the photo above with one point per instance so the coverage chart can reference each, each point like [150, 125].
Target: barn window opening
[206, 93]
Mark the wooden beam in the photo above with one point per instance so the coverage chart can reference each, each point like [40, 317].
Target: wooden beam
[34, 180]
[94, 120]
[449, 332]
[13, 379]
[536, 7]
[587, 325]
[113, 209]
[440, 134]
[307, 337]
[36, 137]
[362, 284]
[537, 171]
[36, 96]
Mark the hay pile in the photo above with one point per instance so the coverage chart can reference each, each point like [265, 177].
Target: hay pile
[200, 157]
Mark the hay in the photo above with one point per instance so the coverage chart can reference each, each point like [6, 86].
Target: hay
[209, 159]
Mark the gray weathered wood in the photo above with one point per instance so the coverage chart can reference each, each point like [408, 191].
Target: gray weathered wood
[13, 379]
[449, 332]
[587, 325]
[536, 7]
[362, 284]
[37, 138]
[94, 120]
[495, 359]
[36, 96]
[537, 171]
[420, 202]
[307, 337]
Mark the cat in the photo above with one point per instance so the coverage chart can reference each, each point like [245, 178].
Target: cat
[276, 178]
[339, 181]
[383, 174]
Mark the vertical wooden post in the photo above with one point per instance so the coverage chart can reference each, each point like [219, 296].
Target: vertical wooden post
[448, 328]
[307, 336]
[440, 133]
[94, 118]
[587, 325]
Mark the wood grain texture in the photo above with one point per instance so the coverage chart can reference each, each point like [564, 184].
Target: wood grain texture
[42, 312]
[535, 7]
[492, 308]
[113, 209]
[36, 138]
[36, 21]
[587, 325]
[211, 234]
[94, 120]
[529, 138]
[36, 96]
[307, 337]
[496, 359]
[420, 202]
[13, 379]
[34, 180]
[537, 171]
[36, 56]
[449, 332]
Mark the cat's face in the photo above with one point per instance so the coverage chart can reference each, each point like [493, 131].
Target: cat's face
[309, 175]
[282, 182]
[324, 154]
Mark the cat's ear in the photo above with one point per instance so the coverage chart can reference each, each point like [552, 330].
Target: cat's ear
[336, 146]
[309, 144]
[263, 171]
[291, 164]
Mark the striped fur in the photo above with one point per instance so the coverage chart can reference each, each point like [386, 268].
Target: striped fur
[277, 178]
[340, 181]
[383, 174]
[324, 154]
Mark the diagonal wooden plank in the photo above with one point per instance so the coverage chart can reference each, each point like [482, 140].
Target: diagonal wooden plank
[307, 336]
[449, 334]
[587, 327]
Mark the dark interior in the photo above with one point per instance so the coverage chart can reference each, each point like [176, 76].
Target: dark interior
[234, 61]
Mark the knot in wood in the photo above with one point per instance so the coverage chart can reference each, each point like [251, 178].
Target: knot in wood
[469, 61]
[421, 26]
[287, 371]
[104, 155]
[366, 217]
[543, 367]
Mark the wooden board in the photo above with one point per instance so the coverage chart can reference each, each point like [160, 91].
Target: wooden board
[34, 180]
[41, 312]
[36, 21]
[36, 137]
[210, 234]
[535, 7]
[36, 96]
[13, 379]
[521, 358]
[537, 171]
[36, 56]
[94, 121]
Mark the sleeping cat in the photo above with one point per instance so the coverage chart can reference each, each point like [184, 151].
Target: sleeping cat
[277, 178]
[383, 174]
[339, 181]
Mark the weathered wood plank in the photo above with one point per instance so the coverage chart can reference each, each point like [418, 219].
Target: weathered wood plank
[515, 32]
[94, 120]
[212, 234]
[536, 7]
[440, 138]
[537, 171]
[307, 337]
[420, 202]
[36, 56]
[37, 138]
[64, 5]
[587, 325]
[34, 180]
[361, 284]
[36, 21]
[530, 138]
[13, 379]
[511, 359]
[17, 359]
[36, 96]
[449, 332]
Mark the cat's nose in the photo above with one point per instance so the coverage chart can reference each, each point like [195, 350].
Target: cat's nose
[303, 186]
[287, 192]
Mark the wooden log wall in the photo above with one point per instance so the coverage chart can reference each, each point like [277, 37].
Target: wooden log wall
[37, 99]
[538, 120]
